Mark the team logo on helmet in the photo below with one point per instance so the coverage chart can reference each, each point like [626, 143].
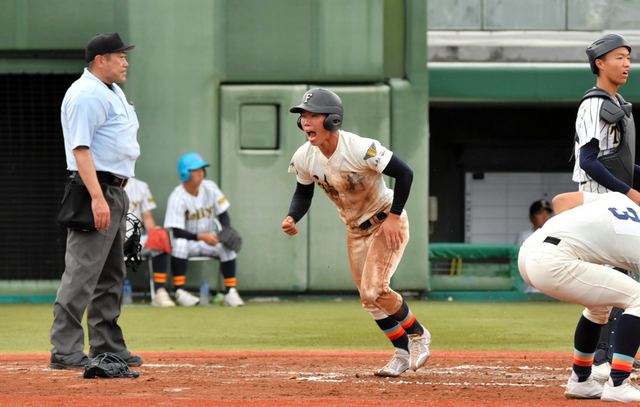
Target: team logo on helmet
[307, 96]
[371, 152]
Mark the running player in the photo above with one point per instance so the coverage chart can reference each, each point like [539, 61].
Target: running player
[565, 260]
[191, 216]
[349, 169]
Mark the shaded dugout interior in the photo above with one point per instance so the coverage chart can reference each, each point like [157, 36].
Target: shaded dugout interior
[493, 137]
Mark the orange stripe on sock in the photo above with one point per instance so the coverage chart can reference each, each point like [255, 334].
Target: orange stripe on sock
[583, 363]
[623, 365]
[395, 334]
[230, 282]
[409, 322]
[179, 280]
[160, 277]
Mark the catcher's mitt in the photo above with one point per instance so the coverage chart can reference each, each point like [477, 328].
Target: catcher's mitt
[108, 365]
[230, 238]
[132, 245]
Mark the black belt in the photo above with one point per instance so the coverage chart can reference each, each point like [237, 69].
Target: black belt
[108, 178]
[367, 223]
[583, 182]
[552, 240]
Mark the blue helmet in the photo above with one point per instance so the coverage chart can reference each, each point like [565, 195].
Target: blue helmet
[188, 162]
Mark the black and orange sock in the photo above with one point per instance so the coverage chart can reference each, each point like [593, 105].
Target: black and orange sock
[394, 332]
[407, 320]
[179, 271]
[160, 264]
[625, 345]
[228, 271]
[585, 342]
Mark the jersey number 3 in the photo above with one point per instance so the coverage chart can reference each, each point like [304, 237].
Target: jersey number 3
[628, 214]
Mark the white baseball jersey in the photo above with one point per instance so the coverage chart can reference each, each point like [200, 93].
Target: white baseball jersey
[605, 230]
[351, 177]
[140, 198]
[195, 214]
[588, 127]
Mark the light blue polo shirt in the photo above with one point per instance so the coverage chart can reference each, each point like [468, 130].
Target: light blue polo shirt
[92, 115]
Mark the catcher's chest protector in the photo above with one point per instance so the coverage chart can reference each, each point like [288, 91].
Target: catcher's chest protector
[621, 162]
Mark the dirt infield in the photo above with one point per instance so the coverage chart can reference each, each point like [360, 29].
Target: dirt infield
[306, 379]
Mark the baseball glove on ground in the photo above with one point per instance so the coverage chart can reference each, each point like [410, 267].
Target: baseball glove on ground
[230, 238]
[108, 365]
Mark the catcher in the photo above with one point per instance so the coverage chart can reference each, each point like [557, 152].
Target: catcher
[200, 225]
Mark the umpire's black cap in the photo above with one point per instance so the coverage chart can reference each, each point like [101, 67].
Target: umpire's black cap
[538, 205]
[104, 43]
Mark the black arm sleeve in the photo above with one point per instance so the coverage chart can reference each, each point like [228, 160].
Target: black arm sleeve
[181, 233]
[399, 170]
[224, 219]
[597, 171]
[301, 201]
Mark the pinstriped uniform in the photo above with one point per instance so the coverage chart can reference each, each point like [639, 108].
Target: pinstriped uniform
[588, 127]
[197, 214]
[140, 201]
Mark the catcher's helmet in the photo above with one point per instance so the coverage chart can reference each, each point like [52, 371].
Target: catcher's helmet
[188, 162]
[323, 101]
[604, 45]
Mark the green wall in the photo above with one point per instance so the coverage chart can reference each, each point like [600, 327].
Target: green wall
[195, 65]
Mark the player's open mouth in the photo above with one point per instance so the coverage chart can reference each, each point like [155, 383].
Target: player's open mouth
[311, 134]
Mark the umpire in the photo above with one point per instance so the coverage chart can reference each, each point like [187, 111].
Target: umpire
[101, 148]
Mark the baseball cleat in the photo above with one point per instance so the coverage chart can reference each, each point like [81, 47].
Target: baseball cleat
[627, 392]
[589, 389]
[397, 365]
[162, 299]
[186, 299]
[59, 362]
[232, 298]
[601, 372]
[419, 349]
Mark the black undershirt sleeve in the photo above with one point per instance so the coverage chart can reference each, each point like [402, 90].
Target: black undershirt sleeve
[224, 219]
[301, 201]
[181, 233]
[597, 171]
[403, 175]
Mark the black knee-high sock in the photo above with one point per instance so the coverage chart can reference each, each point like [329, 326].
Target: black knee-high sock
[179, 271]
[160, 265]
[407, 320]
[625, 345]
[585, 341]
[394, 332]
[228, 270]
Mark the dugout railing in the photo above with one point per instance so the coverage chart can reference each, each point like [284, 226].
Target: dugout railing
[476, 272]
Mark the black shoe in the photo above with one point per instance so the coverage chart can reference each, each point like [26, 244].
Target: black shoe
[134, 360]
[58, 362]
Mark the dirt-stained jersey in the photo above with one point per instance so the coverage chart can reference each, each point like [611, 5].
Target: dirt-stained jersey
[588, 127]
[195, 214]
[140, 198]
[352, 177]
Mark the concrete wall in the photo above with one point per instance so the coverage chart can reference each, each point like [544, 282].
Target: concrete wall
[194, 60]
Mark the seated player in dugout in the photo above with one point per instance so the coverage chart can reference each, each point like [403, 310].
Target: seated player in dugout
[349, 169]
[197, 216]
[154, 241]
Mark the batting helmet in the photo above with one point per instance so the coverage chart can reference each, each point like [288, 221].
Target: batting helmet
[188, 162]
[604, 45]
[323, 101]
